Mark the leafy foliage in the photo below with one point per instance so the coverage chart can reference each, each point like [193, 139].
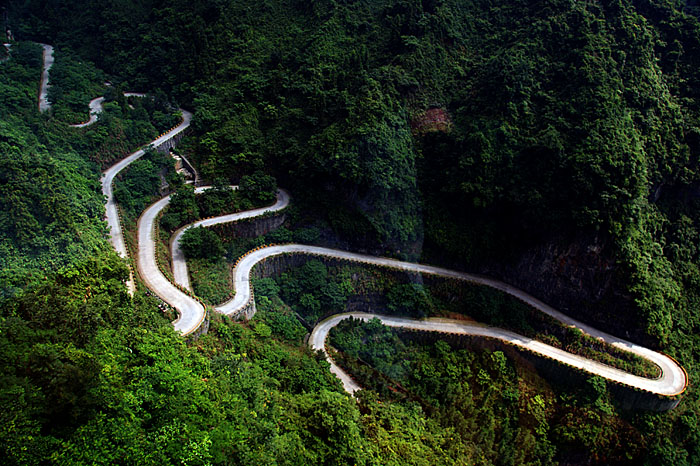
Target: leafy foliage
[483, 402]
[73, 83]
[139, 184]
[182, 209]
[258, 187]
[200, 242]
[572, 123]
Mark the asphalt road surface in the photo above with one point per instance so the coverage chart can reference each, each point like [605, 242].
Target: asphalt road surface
[671, 382]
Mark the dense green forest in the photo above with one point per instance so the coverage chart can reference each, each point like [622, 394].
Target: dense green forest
[553, 144]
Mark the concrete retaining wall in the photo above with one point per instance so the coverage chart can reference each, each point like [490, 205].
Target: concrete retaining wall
[170, 143]
[202, 329]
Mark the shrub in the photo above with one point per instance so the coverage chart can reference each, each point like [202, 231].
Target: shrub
[201, 243]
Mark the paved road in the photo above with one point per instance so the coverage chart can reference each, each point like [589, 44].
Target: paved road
[112, 215]
[96, 107]
[111, 211]
[672, 382]
[44, 103]
[180, 273]
[191, 311]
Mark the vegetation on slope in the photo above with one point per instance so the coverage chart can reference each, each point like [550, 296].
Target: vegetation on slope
[51, 203]
[570, 122]
[573, 126]
[494, 410]
[90, 376]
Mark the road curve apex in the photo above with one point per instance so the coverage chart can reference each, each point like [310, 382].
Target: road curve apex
[672, 382]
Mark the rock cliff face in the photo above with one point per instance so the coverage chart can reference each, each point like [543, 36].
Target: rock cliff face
[250, 228]
[579, 276]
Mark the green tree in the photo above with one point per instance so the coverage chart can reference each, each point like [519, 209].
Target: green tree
[259, 188]
[182, 209]
[202, 243]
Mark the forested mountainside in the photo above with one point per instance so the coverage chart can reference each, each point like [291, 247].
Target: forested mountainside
[553, 144]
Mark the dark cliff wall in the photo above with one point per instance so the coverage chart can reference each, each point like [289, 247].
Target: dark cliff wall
[580, 277]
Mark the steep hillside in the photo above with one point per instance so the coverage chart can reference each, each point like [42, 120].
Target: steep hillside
[554, 144]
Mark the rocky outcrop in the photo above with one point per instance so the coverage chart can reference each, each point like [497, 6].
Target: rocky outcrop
[579, 276]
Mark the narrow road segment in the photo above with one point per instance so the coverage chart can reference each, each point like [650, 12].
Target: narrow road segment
[671, 382]
[191, 312]
[97, 106]
[44, 103]
[111, 210]
[180, 273]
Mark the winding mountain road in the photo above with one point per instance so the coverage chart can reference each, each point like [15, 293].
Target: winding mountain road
[112, 212]
[97, 106]
[180, 274]
[192, 313]
[671, 382]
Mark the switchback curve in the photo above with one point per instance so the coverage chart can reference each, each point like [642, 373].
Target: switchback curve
[112, 215]
[671, 382]
[180, 274]
[111, 210]
[97, 106]
[673, 379]
[191, 311]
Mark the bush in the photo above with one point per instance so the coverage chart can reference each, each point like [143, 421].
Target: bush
[217, 200]
[308, 235]
[266, 287]
[280, 235]
[258, 187]
[201, 243]
[409, 299]
[182, 209]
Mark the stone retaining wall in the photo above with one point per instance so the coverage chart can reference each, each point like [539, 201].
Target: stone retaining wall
[171, 142]
[250, 228]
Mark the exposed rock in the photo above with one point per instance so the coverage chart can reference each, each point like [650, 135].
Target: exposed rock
[581, 278]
